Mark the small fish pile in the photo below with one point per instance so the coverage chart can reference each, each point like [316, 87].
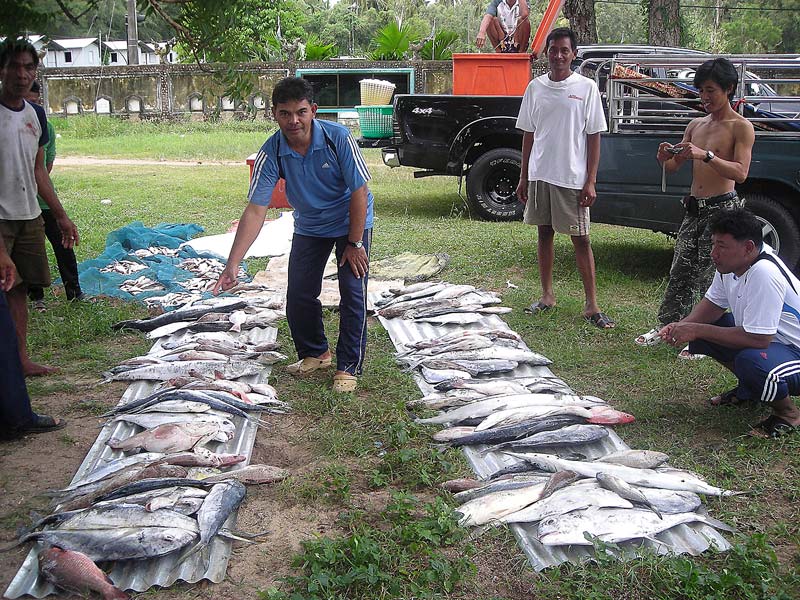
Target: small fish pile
[157, 251]
[548, 453]
[171, 300]
[123, 267]
[139, 285]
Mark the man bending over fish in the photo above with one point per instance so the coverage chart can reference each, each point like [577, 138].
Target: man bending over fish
[749, 321]
[326, 184]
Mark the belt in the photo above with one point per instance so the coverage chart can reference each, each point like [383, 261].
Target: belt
[712, 200]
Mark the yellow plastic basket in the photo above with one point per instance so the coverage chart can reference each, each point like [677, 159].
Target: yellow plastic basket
[376, 92]
[375, 121]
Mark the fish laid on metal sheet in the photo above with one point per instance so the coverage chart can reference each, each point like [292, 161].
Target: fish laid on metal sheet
[175, 437]
[251, 474]
[625, 490]
[639, 459]
[490, 507]
[640, 477]
[452, 318]
[582, 494]
[555, 435]
[77, 573]
[597, 414]
[484, 408]
[558, 480]
[131, 543]
[438, 375]
[475, 368]
[191, 313]
[513, 482]
[614, 525]
[469, 436]
[230, 369]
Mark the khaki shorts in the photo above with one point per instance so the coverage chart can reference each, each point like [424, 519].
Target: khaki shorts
[25, 244]
[556, 206]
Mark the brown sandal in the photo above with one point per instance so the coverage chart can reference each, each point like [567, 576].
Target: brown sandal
[307, 365]
[344, 383]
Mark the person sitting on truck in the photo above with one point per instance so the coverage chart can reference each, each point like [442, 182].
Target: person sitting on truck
[748, 321]
[507, 25]
[561, 116]
[719, 145]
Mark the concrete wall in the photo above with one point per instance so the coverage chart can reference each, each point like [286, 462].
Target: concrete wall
[170, 89]
[165, 90]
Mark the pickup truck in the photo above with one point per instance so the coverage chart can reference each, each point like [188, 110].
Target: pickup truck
[475, 137]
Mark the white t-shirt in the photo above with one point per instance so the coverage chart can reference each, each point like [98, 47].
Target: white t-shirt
[560, 114]
[21, 134]
[761, 300]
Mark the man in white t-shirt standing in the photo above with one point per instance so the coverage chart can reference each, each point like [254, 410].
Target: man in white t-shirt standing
[507, 24]
[562, 117]
[749, 321]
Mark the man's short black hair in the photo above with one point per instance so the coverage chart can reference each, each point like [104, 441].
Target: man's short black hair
[740, 223]
[36, 88]
[561, 32]
[292, 89]
[11, 47]
[719, 70]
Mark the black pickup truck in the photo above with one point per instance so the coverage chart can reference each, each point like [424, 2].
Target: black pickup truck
[475, 137]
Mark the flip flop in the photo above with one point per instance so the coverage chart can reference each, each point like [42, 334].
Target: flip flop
[40, 424]
[344, 383]
[686, 355]
[538, 307]
[600, 320]
[728, 398]
[307, 365]
[773, 427]
[651, 338]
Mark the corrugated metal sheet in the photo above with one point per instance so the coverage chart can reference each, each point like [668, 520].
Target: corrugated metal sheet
[142, 575]
[683, 539]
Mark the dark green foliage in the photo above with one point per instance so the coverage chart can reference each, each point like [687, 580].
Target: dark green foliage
[439, 48]
[403, 554]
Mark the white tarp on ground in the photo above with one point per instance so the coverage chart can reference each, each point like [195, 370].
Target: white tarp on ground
[274, 239]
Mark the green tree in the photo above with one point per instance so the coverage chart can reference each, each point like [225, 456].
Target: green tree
[752, 34]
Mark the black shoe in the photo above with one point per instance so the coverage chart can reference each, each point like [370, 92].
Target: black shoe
[76, 297]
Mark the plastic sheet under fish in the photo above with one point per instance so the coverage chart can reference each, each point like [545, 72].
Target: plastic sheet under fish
[692, 539]
[141, 575]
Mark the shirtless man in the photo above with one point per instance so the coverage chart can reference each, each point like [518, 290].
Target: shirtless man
[507, 25]
[719, 145]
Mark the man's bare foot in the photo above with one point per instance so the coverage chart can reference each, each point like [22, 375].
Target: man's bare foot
[32, 369]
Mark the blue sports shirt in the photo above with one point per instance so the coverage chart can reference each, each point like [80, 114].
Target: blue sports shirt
[319, 184]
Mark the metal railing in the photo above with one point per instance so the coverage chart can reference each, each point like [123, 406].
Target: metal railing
[652, 92]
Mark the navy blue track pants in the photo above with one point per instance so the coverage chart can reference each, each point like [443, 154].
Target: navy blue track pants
[764, 374]
[307, 261]
[15, 404]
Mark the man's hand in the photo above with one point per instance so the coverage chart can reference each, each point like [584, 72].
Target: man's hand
[357, 257]
[69, 233]
[227, 279]
[663, 154]
[688, 151]
[678, 334]
[480, 41]
[522, 191]
[8, 271]
[588, 194]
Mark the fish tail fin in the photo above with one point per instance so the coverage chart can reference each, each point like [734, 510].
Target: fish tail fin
[717, 524]
[186, 555]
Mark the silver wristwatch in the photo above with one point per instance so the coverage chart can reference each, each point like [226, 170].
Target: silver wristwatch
[709, 156]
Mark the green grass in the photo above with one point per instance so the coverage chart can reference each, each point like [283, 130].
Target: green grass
[367, 444]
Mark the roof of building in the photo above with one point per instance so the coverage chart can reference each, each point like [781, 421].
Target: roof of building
[70, 43]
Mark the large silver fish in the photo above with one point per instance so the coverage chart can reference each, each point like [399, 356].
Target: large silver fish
[583, 494]
[490, 507]
[230, 369]
[613, 525]
[571, 434]
[640, 477]
[638, 459]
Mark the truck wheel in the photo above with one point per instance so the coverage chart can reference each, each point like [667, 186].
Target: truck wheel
[781, 230]
[492, 183]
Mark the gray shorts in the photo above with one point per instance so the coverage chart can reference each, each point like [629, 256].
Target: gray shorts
[25, 244]
[556, 206]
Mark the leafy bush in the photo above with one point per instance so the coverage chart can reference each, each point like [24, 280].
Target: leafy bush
[392, 42]
[439, 48]
[401, 556]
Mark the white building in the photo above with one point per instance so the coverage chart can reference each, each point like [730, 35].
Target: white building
[73, 52]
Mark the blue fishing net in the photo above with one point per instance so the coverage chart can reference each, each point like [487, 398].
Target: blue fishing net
[161, 266]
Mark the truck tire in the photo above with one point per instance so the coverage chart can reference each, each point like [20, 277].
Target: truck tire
[492, 183]
[781, 230]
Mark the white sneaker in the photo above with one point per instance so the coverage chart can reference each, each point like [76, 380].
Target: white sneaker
[686, 355]
[650, 338]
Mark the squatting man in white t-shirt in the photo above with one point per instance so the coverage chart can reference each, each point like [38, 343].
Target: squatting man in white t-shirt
[561, 116]
[507, 24]
[749, 321]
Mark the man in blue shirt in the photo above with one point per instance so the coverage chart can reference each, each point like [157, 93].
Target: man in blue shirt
[326, 184]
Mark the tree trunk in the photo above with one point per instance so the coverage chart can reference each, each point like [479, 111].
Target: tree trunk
[580, 14]
[664, 23]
